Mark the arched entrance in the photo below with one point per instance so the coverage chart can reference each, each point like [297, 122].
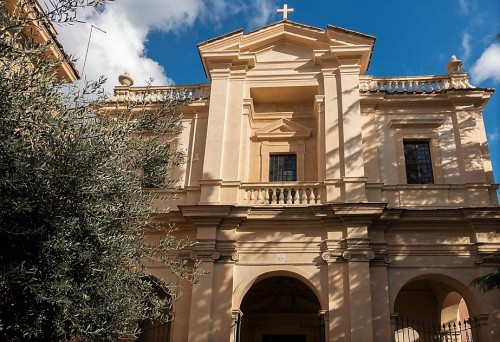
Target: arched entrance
[278, 309]
[427, 306]
[152, 330]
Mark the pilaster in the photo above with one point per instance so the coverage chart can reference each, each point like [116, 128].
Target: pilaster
[233, 154]
[358, 255]
[213, 159]
[470, 156]
[349, 264]
[329, 130]
[353, 172]
[202, 326]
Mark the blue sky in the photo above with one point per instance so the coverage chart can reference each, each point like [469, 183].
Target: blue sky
[157, 38]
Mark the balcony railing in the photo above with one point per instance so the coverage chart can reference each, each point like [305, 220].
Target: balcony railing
[415, 84]
[157, 94]
[296, 193]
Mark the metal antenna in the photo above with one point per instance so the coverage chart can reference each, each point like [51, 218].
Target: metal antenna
[88, 44]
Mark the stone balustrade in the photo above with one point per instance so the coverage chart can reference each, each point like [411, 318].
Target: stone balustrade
[157, 94]
[414, 84]
[297, 193]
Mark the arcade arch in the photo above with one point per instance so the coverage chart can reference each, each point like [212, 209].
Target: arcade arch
[432, 298]
[281, 307]
[429, 305]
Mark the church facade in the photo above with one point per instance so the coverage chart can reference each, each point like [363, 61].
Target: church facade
[327, 203]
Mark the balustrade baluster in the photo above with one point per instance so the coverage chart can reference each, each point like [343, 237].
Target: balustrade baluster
[318, 195]
[266, 197]
[438, 85]
[422, 86]
[429, 84]
[294, 196]
[286, 196]
[301, 196]
[313, 197]
[274, 196]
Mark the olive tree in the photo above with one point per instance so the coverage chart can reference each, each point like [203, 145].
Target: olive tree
[73, 207]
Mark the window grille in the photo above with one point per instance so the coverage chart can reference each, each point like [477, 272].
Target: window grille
[282, 168]
[418, 162]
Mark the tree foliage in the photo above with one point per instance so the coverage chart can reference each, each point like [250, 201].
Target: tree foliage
[73, 211]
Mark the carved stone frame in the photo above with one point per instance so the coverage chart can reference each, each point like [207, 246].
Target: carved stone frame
[282, 136]
[418, 130]
[282, 147]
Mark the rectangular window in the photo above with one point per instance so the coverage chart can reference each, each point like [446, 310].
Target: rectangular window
[282, 168]
[418, 162]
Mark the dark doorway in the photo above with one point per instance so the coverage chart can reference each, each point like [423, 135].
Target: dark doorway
[280, 309]
[284, 338]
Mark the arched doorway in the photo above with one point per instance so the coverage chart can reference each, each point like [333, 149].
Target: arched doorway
[278, 309]
[152, 330]
[432, 307]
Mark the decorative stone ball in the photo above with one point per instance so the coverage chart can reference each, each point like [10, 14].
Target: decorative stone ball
[126, 80]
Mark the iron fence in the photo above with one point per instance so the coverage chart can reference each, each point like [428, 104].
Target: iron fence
[410, 330]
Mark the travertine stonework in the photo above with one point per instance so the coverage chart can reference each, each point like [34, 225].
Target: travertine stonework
[351, 243]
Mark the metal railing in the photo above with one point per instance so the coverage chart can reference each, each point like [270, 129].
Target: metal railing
[410, 330]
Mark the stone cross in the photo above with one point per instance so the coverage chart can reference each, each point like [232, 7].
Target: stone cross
[285, 10]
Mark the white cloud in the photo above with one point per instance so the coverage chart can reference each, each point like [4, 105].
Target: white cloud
[494, 136]
[265, 10]
[466, 49]
[127, 24]
[464, 6]
[488, 65]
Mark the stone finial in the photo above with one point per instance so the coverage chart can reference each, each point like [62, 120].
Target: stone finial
[454, 66]
[126, 80]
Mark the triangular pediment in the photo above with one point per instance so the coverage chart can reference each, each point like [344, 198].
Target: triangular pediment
[283, 129]
[283, 52]
[285, 41]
